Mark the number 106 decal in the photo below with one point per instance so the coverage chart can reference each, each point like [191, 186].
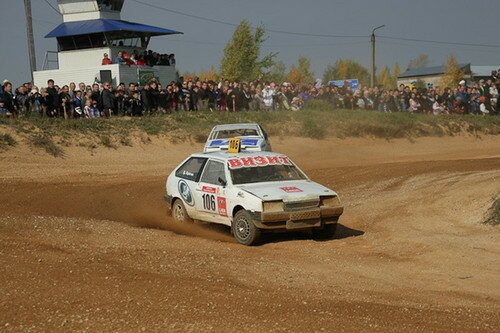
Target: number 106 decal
[209, 202]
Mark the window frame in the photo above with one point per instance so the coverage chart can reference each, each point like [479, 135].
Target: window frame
[178, 173]
[205, 168]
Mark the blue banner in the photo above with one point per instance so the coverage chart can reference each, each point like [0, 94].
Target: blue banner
[354, 83]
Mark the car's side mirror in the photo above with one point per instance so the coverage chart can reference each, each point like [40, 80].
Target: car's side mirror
[222, 182]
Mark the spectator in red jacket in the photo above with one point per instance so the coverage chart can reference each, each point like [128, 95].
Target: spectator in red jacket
[106, 60]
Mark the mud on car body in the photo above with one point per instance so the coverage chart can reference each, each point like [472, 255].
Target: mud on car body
[251, 192]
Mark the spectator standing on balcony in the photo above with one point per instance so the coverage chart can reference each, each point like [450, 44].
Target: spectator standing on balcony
[106, 60]
[171, 60]
[119, 59]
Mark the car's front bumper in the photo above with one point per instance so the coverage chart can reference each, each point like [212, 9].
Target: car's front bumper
[168, 199]
[311, 218]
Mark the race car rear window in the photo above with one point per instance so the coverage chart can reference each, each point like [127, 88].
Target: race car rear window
[191, 169]
[227, 134]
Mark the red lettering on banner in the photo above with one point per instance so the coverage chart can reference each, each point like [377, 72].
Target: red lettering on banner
[285, 160]
[222, 205]
[235, 163]
[260, 160]
[247, 161]
[291, 189]
[273, 160]
[208, 189]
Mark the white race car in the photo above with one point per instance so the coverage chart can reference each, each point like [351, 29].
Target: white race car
[253, 137]
[250, 192]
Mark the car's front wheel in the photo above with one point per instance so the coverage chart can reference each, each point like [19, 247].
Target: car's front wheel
[244, 230]
[179, 212]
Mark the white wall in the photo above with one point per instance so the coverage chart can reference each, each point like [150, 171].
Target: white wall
[82, 58]
[91, 16]
[77, 75]
[119, 73]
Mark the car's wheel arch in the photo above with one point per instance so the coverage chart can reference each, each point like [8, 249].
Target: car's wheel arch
[236, 209]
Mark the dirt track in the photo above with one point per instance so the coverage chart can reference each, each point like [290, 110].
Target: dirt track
[85, 245]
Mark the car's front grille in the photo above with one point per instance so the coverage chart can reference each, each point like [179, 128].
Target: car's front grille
[300, 205]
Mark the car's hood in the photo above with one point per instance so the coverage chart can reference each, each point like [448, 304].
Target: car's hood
[296, 190]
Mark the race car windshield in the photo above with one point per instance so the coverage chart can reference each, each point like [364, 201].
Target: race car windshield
[227, 134]
[268, 173]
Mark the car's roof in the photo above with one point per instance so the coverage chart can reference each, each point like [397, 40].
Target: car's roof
[225, 155]
[236, 126]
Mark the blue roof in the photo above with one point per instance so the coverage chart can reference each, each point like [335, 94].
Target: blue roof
[103, 25]
[425, 71]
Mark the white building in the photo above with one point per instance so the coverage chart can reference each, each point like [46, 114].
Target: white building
[92, 28]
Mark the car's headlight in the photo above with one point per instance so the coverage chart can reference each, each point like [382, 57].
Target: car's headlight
[330, 201]
[272, 206]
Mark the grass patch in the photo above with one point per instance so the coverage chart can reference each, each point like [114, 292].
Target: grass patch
[493, 215]
[126, 141]
[106, 141]
[7, 141]
[44, 141]
[317, 121]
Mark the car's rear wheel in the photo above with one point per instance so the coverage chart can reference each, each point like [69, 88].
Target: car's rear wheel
[179, 212]
[244, 230]
[327, 232]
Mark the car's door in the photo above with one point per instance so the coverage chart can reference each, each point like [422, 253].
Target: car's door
[210, 193]
[188, 176]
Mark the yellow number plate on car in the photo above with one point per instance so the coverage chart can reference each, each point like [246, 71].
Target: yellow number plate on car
[234, 145]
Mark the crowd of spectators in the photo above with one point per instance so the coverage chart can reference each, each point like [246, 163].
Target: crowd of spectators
[146, 58]
[104, 100]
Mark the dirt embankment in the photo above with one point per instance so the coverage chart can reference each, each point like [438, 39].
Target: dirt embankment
[85, 244]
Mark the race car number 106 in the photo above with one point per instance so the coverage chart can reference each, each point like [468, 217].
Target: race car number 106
[208, 202]
[234, 145]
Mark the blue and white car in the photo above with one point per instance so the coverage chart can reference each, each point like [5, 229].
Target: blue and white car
[251, 192]
[253, 137]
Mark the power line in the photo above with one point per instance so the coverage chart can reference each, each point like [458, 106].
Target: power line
[311, 34]
[438, 42]
[54, 8]
[234, 24]
[265, 45]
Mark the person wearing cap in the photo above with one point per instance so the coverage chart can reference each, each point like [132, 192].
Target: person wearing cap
[106, 60]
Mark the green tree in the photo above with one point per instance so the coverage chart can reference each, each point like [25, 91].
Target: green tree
[301, 73]
[452, 72]
[420, 84]
[421, 61]
[396, 72]
[277, 73]
[346, 69]
[241, 59]
[386, 79]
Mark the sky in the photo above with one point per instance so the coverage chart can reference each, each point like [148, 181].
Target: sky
[202, 44]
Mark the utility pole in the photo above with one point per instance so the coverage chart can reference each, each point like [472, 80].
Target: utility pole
[372, 77]
[31, 40]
